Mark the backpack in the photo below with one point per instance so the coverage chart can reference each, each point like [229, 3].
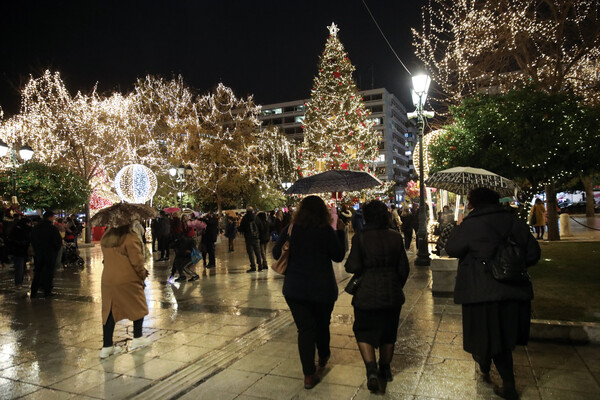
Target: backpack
[253, 230]
[508, 265]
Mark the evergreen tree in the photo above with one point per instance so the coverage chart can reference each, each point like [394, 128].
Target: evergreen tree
[337, 131]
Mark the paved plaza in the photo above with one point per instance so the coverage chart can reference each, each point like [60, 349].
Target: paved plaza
[230, 335]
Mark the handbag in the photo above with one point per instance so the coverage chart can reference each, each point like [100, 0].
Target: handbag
[508, 264]
[354, 282]
[281, 264]
[196, 257]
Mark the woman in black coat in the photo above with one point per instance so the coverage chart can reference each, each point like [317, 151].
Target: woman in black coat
[309, 286]
[496, 315]
[378, 256]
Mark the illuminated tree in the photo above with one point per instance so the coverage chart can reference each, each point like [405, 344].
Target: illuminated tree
[493, 46]
[337, 131]
[528, 135]
[40, 186]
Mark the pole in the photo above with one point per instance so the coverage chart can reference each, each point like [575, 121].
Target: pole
[423, 253]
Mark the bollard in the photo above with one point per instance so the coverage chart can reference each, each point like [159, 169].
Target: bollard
[565, 225]
[443, 271]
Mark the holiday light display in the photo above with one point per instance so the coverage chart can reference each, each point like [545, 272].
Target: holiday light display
[428, 140]
[135, 183]
[493, 46]
[338, 133]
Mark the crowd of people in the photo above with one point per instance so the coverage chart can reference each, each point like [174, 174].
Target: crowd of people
[496, 315]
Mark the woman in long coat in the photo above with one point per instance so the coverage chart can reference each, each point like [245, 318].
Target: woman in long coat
[379, 258]
[496, 315]
[309, 286]
[122, 286]
[538, 218]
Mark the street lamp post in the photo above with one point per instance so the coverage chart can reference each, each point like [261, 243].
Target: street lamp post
[25, 152]
[180, 174]
[419, 96]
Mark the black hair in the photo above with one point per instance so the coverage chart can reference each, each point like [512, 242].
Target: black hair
[376, 215]
[312, 213]
[483, 196]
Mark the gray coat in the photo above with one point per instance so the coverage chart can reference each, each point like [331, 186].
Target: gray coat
[475, 241]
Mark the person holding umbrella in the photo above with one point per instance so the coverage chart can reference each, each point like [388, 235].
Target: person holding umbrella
[122, 282]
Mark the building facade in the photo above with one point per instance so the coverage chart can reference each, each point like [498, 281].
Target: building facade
[389, 115]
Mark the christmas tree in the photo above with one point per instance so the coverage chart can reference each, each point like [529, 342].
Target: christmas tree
[338, 133]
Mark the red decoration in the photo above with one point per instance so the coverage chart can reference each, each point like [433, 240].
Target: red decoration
[344, 165]
[337, 74]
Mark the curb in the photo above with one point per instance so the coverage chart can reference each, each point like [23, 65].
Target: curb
[564, 331]
[86, 245]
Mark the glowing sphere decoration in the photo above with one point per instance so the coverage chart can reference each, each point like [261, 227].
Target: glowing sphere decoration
[135, 183]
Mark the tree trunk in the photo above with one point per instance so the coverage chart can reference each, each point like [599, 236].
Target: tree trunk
[551, 204]
[88, 227]
[589, 196]
[219, 202]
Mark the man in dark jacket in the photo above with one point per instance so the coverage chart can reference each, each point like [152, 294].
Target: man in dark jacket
[496, 315]
[154, 233]
[163, 232]
[46, 242]
[251, 230]
[18, 243]
[209, 237]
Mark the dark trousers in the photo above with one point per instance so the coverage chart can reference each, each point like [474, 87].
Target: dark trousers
[263, 255]
[43, 273]
[504, 364]
[182, 266]
[210, 251]
[19, 263]
[253, 248]
[109, 328]
[312, 321]
[154, 240]
[407, 238]
[163, 246]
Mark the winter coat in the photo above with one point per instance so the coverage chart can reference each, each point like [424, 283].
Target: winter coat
[263, 228]
[309, 275]
[540, 214]
[407, 222]
[358, 221]
[163, 227]
[46, 240]
[378, 256]
[245, 228]
[212, 229]
[123, 280]
[475, 241]
[19, 239]
[231, 229]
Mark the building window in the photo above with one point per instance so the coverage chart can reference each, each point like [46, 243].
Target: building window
[376, 109]
[272, 111]
[301, 107]
[381, 158]
[408, 153]
[299, 119]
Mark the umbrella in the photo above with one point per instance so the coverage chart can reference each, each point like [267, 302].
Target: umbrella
[120, 214]
[461, 180]
[188, 211]
[334, 181]
[171, 209]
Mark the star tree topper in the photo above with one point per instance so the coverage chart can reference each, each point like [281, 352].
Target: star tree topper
[333, 29]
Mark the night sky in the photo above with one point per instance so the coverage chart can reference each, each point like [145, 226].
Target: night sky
[266, 48]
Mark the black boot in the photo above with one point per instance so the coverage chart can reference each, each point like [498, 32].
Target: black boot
[385, 372]
[372, 378]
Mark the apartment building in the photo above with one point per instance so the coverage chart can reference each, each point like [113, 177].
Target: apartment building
[389, 114]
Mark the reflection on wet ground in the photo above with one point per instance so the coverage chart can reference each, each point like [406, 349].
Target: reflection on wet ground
[230, 335]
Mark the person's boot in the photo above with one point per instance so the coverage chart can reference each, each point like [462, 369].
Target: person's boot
[310, 381]
[372, 377]
[508, 392]
[385, 371]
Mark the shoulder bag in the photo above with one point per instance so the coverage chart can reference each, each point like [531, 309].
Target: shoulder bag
[354, 282]
[280, 265]
[508, 264]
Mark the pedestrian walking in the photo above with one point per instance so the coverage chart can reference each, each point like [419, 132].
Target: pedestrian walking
[264, 237]
[379, 260]
[18, 244]
[163, 232]
[496, 315]
[249, 227]
[46, 242]
[396, 220]
[122, 286]
[231, 230]
[183, 259]
[309, 284]
[538, 218]
[209, 237]
[154, 233]
[358, 222]
[407, 226]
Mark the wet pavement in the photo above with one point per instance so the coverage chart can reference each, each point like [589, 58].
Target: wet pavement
[230, 335]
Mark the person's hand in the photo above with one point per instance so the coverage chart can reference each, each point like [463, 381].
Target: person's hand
[340, 225]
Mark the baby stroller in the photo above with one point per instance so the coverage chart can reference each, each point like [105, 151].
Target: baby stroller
[71, 257]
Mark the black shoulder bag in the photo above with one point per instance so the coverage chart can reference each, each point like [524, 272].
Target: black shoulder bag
[354, 282]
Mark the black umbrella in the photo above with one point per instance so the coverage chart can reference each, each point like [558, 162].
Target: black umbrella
[122, 214]
[334, 181]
